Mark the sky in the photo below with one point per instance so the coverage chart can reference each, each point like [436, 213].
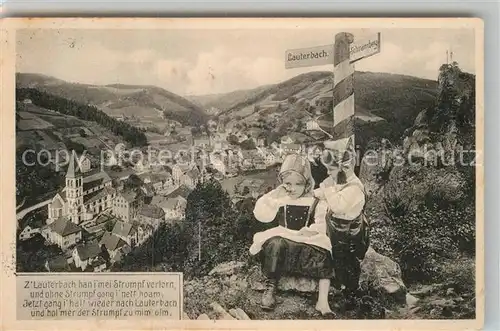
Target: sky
[199, 62]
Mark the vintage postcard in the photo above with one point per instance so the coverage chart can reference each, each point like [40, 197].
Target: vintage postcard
[242, 173]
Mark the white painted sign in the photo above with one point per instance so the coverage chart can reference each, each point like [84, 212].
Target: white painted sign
[364, 48]
[323, 55]
[308, 57]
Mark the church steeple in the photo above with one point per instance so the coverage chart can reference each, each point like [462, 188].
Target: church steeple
[74, 190]
[74, 170]
[71, 169]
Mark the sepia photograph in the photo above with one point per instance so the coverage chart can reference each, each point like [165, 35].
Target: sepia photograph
[295, 172]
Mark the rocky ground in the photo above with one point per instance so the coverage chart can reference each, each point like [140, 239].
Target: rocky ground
[233, 291]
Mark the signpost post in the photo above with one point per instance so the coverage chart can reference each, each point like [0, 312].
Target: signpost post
[343, 88]
[343, 54]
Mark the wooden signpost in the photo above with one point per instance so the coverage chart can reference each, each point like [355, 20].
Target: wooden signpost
[343, 54]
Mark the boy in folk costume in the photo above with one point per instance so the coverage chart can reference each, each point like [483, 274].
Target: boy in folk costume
[298, 245]
[347, 228]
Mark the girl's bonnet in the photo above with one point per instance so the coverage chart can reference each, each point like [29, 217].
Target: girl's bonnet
[298, 164]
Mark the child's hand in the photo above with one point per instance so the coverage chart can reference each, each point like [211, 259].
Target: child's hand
[279, 192]
[328, 182]
[307, 232]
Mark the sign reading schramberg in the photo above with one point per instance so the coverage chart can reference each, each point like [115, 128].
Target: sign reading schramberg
[323, 55]
[364, 48]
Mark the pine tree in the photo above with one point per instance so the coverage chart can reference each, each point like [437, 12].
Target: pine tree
[210, 227]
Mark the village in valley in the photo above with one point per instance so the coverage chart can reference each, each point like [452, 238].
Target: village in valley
[107, 208]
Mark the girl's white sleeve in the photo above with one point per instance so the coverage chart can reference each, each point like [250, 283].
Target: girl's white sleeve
[319, 224]
[266, 208]
[346, 202]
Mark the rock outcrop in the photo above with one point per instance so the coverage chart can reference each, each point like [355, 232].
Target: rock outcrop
[410, 185]
[449, 125]
[382, 278]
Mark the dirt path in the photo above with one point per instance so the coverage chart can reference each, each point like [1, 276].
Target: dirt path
[22, 213]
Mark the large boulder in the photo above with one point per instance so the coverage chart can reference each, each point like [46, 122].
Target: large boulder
[382, 278]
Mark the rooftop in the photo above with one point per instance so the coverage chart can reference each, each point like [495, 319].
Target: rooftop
[112, 241]
[95, 178]
[94, 196]
[64, 227]
[182, 191]
[88, 251]
[151, 211]
[123, 229]
[58, 264]
[129, 196]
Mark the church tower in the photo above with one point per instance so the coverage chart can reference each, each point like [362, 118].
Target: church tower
[74, 191]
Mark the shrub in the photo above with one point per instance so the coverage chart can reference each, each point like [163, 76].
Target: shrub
[398, 199]
[422, 240]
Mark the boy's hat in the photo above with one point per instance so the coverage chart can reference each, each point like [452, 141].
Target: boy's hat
[341, 149]
[340, 145]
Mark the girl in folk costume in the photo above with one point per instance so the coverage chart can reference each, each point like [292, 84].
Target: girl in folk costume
[347, 228]
[298, 244]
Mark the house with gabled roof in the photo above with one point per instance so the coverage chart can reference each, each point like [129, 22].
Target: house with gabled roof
[192, 177]
[62, 232]
[182, 191]
[126, 204]
[87, 257]
[114, 244]
[121, 253]
[218, 164]
[161, 180]
[175, 208]
[126, 231]
[144, 231]
[178, 170]
[151, 214]
[28, 232]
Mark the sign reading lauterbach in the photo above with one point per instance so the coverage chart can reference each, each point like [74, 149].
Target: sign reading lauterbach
[307, 57]
[323, 55]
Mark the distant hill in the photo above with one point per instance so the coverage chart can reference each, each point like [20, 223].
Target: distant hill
[396, 99]
[146, 103]
[225, 101]
[380, 94]
[43, 128]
